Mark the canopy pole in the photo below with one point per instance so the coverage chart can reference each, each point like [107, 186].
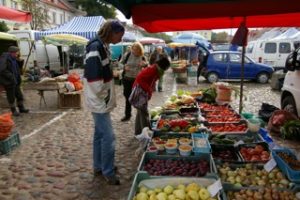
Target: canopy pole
[243, 68]
[242, 80]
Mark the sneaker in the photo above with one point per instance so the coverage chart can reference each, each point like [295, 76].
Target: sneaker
[124, 119]
[112, 180]
[98, 172]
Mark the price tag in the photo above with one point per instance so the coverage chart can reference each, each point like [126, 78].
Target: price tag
[238, 143]
[270, 165]
[214, 188]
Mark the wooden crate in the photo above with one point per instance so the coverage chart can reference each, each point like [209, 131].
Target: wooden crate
[70, 100]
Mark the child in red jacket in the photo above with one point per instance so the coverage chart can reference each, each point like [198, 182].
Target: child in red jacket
[146, 80]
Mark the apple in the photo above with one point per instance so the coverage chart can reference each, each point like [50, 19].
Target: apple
[142, 196]
[161, 196]
[143, 189]
[179, 194]
[193, 195]
[204, 194]
[168, 189]
[171, 197]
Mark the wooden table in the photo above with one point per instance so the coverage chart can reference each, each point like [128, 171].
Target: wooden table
[43, 87]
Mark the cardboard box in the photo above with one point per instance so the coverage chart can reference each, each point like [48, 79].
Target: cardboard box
[70, 100]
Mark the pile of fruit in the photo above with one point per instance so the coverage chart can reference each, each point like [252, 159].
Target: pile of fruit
[177, 167]
[228, 127]
[290, 160]
[264, 193]
[192, 191]
[251, 175]
[256, 153]
[177, 125]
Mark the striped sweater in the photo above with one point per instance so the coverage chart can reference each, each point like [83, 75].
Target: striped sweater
[98, 78]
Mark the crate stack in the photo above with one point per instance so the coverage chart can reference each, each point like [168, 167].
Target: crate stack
[207, 151]
[9, 139]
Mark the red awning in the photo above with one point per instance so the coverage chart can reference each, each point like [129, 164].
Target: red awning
[229, 14]
[179, 15]
[14, 15]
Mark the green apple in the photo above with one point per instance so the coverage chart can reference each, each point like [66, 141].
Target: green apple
[162, 196]
[193, 195]
[171, 197]
[168, 189]
[179, 193]
[157, 190]
[149, 192]
[181, 186]
[204, 194]
[192, 186]
[142, 196]
[152, 197]
[143, 189]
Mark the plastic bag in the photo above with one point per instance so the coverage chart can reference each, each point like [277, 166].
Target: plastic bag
[266, 111]
[73, 77]
[144, 138]
[138, 98]
[278, 119]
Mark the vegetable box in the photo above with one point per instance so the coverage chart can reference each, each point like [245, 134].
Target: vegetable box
[291, 169]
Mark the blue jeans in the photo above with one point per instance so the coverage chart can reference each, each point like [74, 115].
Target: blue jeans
[104, 144]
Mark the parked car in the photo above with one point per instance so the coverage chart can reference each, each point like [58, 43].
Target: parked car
[290, 96]
[227, 65]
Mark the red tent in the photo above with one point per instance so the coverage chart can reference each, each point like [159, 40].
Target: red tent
[179, 15]
[14, 15]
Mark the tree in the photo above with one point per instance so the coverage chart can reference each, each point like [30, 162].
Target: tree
[96, 8]
[221, 37]
[39, 12]
[3, 27]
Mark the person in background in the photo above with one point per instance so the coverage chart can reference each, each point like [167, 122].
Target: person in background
[146, 80]
[100, 97]
[153, 58]
[133, 63]
[10, 78]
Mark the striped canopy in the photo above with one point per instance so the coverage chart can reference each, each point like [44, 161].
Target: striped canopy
[83, 26]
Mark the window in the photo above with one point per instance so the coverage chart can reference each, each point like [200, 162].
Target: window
[54, 18]
[218, 57]
[249, 48]
[3, 2]
[284, 47]
[235, 58]
[62, 19]
[270, 47]
[14, 5]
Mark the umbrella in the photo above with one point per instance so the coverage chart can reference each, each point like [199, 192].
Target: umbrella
[188, 38]
[65, 39]
[176, 44]
[129, 37]
[151, 40]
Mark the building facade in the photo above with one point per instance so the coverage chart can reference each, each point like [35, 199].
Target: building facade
[58, 11]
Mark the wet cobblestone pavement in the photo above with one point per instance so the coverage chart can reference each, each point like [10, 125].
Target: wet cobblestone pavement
[54, 160]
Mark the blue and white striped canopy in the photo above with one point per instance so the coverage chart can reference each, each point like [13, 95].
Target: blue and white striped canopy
[83, 26]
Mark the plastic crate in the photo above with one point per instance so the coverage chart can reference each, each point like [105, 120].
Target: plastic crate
[10, 143]
[144, 179]
[70, 100]
[200, 150]
[292, 175]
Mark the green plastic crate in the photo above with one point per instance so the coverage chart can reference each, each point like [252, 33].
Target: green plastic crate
[143, 176]
[10, 143]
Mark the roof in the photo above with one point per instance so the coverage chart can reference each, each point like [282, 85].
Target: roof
[83, 26]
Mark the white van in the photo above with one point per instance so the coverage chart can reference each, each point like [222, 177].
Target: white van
[42, 55]
[290, 96]
[271, 52]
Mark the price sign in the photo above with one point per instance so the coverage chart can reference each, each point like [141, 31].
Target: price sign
[214, 188]
[270, 165]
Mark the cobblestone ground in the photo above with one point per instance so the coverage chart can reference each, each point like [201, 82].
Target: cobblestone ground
[54, 159]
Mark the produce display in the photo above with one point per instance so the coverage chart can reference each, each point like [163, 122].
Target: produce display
[290, 160]
[228, 128]
[195, 137]
[179, 167]
[232, 139]
[252, 175]
[192, 191]
[263, 193]
[255, 152]
[224, 153]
